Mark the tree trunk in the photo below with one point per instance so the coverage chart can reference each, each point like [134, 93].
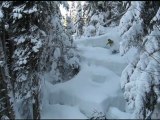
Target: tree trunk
[36, 106]
[36, 100]
[4, 72]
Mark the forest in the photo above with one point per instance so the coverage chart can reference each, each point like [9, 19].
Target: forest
[80, 60]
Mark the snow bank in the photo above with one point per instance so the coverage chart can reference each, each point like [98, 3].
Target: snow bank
[79, 91]
[58, 111]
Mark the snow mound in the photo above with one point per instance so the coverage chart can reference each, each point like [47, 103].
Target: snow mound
[88, 90]
[57, 111]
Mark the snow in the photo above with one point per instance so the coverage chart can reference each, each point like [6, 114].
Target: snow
[6, 26]
[99, 58]
[89, 31]
[4, 117]
[157, 17]
[19, 40]
[6, 4]
[32, 10]
[115, 113]
[23, 77]
[95, 18]
[62, 112]
[95, 88]
[96, 25]
[100, 41]
[1, 63]
[79, 91]
[17, 12]
[57, 53]
[131, 27]
[1, 15]
[37, 46]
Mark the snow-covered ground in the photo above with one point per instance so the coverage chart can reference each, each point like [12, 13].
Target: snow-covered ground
[95, 88]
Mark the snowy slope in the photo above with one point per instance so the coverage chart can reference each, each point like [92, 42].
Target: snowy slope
[100, 41]
[103, 57]
[95, 88]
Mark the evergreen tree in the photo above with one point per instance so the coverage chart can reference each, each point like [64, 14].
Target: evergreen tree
[79, 20]
[59, 54]
[72, 12]
[6, 89]
[29, 30]
[70, 26]
[100, 14]
[140, 29]
[95, 26]
[24, 38]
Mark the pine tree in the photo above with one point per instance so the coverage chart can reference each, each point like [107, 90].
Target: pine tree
[114, 11]
[31, 30]
[59, 54]
[100, 14]
[6, 89]
[79, 20]
[70, 29]
[25, 40]
[72, 12]
[140, 29]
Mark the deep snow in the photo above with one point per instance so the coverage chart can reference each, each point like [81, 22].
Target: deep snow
[95, 88]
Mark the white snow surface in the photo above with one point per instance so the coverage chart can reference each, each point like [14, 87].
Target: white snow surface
[95, 88]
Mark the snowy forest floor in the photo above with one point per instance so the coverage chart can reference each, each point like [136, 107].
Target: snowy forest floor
[95, 88]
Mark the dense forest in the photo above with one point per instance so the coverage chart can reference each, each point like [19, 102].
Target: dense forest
[99, 60]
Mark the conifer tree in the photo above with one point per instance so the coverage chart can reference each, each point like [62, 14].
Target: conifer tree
[79, 20]
[29, 30]
[140, 29]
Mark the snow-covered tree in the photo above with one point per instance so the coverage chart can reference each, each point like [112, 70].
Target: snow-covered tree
[33, 39]
[111, 10]
[99, 14]
[85, 13]
[95, 26]
[72, 11]
[79, 20]
[89, 9]
[140, 28]
[24, 40]
[6, 89]
[70, 28]
[59, 54]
